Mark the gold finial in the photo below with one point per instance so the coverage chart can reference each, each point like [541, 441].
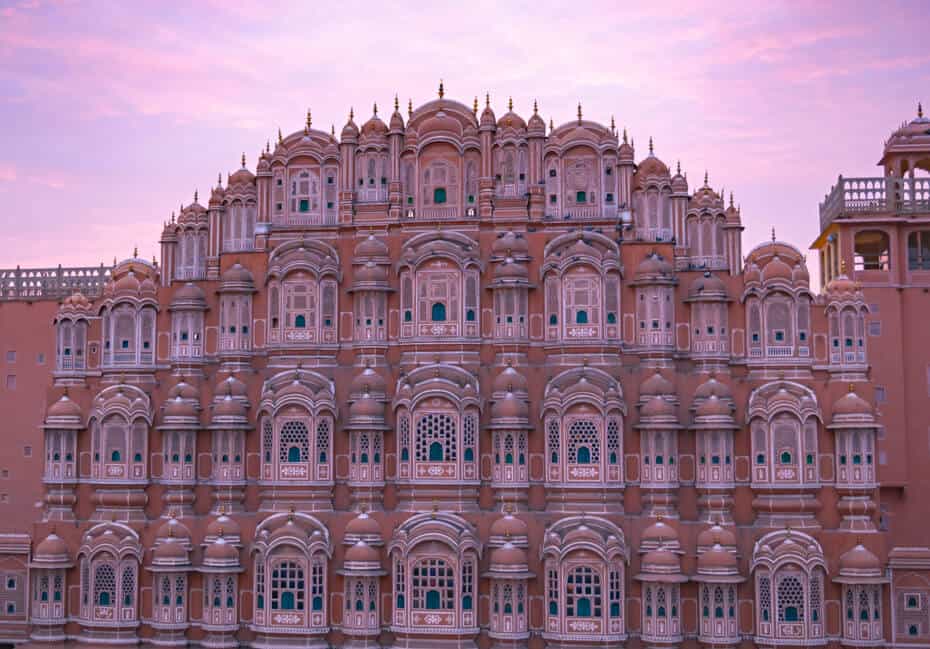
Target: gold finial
[731, 199]
[280, 137]
[705, 178]
[135, 251]
[510, 103]
[535, 108]
[435, 506]
[309, 119]
[243, 159]
[487, 100]
[409, 108]
[624, 135]
[843, 266]
[650, 145]
[442, 90]
[219, 179]
[351, 113]
[773, 234]
[920, 110]
[267, 146]
[396, 103]
[579, 112]
[852, 388]
[551, 125]
[332, 129]
[678, 168]
[195, 195]
[613, 125]
[376, 108]
[474, 106]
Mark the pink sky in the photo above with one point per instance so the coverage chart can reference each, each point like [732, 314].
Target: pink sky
[112, 114]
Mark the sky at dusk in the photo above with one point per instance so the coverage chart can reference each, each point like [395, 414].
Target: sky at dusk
[113, 113]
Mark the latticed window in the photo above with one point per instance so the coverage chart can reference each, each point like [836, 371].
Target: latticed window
[260, 584]
[552, 589]
[790, 597]
[765, 598]
[583, 442]
[322, 440]
[316, 585]
[553, 440]
[404, 438]
[436, 438]
[469, 442]
[294, 442]
[613, 441]
[128, 585]
[104, 585]
[432, 583]
[267, 439]
[287, 586]
[815, 596]
[583, 592]
[400, 584]
[582, 299]
[468, 585]
[615, 594]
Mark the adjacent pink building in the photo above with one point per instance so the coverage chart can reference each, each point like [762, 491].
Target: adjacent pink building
[460, 380]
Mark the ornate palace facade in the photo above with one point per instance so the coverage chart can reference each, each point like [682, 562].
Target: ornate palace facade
[457, 380]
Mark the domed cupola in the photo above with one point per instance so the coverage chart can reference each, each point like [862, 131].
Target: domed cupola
[350, 130]
[397, 120]
[508, 529]
[374, 128]
[509, 405]
[242, 176]
[536, 126]
[510, 120]
[679, 182]
[488, 121]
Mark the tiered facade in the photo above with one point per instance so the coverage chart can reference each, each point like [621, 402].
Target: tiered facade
[457, 380]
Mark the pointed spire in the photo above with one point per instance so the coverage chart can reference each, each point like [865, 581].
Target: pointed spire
[650, 145]
[535, 108]
[135, 251]
[351, 113]
[731, 199]
[396, 104]
[487, 100]
[920, 110]
[474, 106]
[442, 90]
[409, 107]
[705, 177]
[243, 160]
[309, 121]
[332, 130]
[551, 125]
[195, 195]
[773, 234]
[219, 179]
[280, 137]
[510, 103]
[613, 125]
[579, 112]
[267, 146]
[375, 108]
[624, 135]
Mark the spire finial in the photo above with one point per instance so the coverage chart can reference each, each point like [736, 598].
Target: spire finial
[731, 199]
[650, 145]
[243, 160]
[442, 90]
[852, 388]
[195, 195]
[396, 104]
[535, 108]
[135, 251]
[280, 137]
[613, 125]
[842, 266]
[351, 113]
[579, 112]
[773, 234]
[267, 146]
[474, 106]
[409, 107]
[309, 119]
[678, 168]
[510, 103]
[705, 178]
[219, 179]
[376, 108]
[332, 129]
[920, 109]
[487, 99]
[551, 125]
[624, 135]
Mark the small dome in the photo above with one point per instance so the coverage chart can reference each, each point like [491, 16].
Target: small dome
[661, 560]
[189, 295]
[242, 176]
[370, 273]
[751, 274]
[509, 380]
[51, 549]
[679, 183]
[625, 151]
[238, 274]
[776, 269]
[371, 246]
[223, 526]
[127, 284]
[536, 124]
[715, 535]
[368, 380]
[651, 166]
[800, 274]
[716, 558]
[221, 552]
[654, 264]
[707, 284]
[172, 528]
[511, 120]
[508, 526]
[510, 244]
[366, 407]
[713, 406]
[659, 532]
[180, 408]
[230, 407]
[64, 407]
[184, 390]
[374, 127]
[713, 387]
[510, 407]
[512, 270]
[859, 559]
[441, 122]
[233, 386]
[851, 404]
[170, 551]
[487, 116]
[656, 385]
[397, 120]
[361, 552]
[657, 407]
[508, 556]
[363, 525]
[841, 284]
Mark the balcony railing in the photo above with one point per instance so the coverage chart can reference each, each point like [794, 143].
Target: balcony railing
[51, 283]
[238, 245]
[853, 196]
[372, 195]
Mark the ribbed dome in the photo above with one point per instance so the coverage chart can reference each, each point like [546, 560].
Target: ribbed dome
[776, 269]
[370, 272]
[127, 284]
[656, 385]
[707, 284]
[224, 526]
[652, 166]
[714, 535]
[659, 532]
[508, 556]
[172, 528]
[713, 406]
[509, 380]
[511, 120]
[716, 559]
[653, 264]
[510, 407]
[189, 294]
[512, 270]
[508, 526]
[363, 525]
[368, 381]
[661, 560]
[361, 552]
[371, 246]
[233, 386]
[510, 244]
[859, 559]
[679, 184]
[658, 407]
[441, 122]
[170, 551]
[180, 408]
[184, 390]
[64, 407]
[365, 406]
[237, 273]
[230, 407]
[350, 130]
[374, 127]
[221, 552]
[242, 177]
[851, 404]
[51, 549]
[712, 387]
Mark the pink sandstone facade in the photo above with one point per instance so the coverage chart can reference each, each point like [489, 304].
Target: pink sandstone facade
[464, 381]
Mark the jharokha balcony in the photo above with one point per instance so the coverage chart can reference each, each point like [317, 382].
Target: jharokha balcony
[852, 197]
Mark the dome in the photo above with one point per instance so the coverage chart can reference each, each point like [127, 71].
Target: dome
[707, 284]
[511, 120]
[651, 166]
[662, 560]
[230, 407]
[851, 404]
[713, 406]
[366, 407]
[508, 526]
[368, 380]
[363, 525]
[625, 151]
[184, 390]
[51, 549]
[374, 127]
[656, 385]
[659, 532]
[679, 183]
[654, 264]
[237, 274]
[859, 559]
[717, 558]
[536, 124]
[776, 269]
[441, 122]
[371, 246]
[712, 387]
[658, 407]
[841, 284]
[350, 130]
[189, 295]
[510, 407]
[509, 380]
[511, 270]
[397, 120]
[369, 273]
[64, 407]
[233, 386]
[715, 535]
[172, 528]
[180, 408]
[510, 244]
[242, 176]
[221, 552]
[223, 526]
[487, 115]
[508, 556]
[751, 274]
[127, 283]
[800, 274]
[170, 551]
[77, 301]
[361, 552]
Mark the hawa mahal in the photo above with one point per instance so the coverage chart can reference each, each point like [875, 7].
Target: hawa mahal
[456, 380]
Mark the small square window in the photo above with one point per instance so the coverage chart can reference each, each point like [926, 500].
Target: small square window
[330, 180]
[10, 381]
[11, 356]
[329, 205]
[4, 498]
[279, 206]
[27, 451]
[875, 328]
[779, 336]
[304, 205]
[881, 396]
[10, 608]
[912, 601]
[552, 173]
[11, 583]
[40, 359]
[280, 182]
[802, 336]
[553, 198]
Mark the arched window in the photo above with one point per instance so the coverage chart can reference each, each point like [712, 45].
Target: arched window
[438, 312]
[872, 250]
[918, 250]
